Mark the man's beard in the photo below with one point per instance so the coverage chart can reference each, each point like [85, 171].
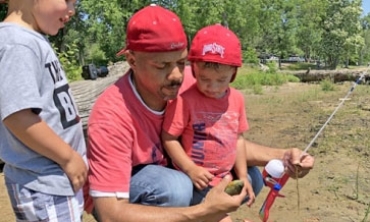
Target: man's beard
[170, 86]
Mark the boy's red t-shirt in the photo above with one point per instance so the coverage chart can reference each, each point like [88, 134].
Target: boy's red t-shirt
[209, 128]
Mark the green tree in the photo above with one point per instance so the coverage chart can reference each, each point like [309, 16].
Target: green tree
[309, 31]
[268, 23]
[331, 29]
[242, 17]
[106, 23]
[278, 27]
[341, 29]
[364, 52]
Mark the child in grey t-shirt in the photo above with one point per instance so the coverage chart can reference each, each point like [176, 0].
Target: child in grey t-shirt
[42, 142]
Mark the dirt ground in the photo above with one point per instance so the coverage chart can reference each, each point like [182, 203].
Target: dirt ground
[338, 188]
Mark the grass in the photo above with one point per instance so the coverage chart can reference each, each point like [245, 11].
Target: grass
[367, 212]
[345, 135]
[348, 129]
[310, 95]
[327, 85]
[249, 77]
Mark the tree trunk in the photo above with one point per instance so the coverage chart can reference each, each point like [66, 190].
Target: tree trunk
[333, 75]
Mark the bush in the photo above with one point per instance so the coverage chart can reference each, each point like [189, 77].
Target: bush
[68, 60]
[262, 79]
[327, 85]
[273, 67]
[257, 89]
[250, 56]
[95, 55]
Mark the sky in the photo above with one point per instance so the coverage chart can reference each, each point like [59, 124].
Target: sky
[366, 6]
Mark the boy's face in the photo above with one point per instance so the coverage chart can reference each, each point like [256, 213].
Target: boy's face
[213, 79]
[51, 15]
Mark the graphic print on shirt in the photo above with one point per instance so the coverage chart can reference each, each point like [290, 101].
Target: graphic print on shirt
[214, 139]
[154, 153]
[62, 95]
[197, 152]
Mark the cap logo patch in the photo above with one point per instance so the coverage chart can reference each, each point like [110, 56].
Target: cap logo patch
[176, 45]
[214, 48]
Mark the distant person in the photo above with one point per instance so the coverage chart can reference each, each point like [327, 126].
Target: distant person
[203, 128]
[42, 142]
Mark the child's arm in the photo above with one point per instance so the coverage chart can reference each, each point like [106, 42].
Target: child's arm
[240, 168]
[199, 175]
[39, 137]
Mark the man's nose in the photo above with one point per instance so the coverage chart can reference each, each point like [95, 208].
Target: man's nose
[176, 73]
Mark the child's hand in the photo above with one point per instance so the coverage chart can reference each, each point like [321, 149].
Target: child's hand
[248, 188]
[76, 171]
[200, 177]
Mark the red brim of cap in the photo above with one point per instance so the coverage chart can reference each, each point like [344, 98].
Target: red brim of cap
[121, 52]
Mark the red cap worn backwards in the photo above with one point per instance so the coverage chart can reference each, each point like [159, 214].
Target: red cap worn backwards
[154, 29]
[217, 44]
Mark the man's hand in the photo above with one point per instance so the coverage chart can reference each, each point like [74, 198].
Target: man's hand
[219, 201]
[298, 164]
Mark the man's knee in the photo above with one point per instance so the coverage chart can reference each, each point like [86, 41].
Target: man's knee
[160, 186]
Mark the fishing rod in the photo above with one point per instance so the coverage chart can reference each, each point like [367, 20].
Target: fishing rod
[273, 173]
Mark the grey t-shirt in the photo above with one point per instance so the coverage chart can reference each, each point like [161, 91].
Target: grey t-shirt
[31, 77]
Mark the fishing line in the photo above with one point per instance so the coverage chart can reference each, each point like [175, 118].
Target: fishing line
[276, 185]
[338, 107]
[325, 124]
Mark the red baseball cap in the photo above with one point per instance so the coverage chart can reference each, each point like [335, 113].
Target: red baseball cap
[154, 29]
[216, 43]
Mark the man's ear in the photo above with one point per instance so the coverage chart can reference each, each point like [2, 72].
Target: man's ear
[130, 58]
